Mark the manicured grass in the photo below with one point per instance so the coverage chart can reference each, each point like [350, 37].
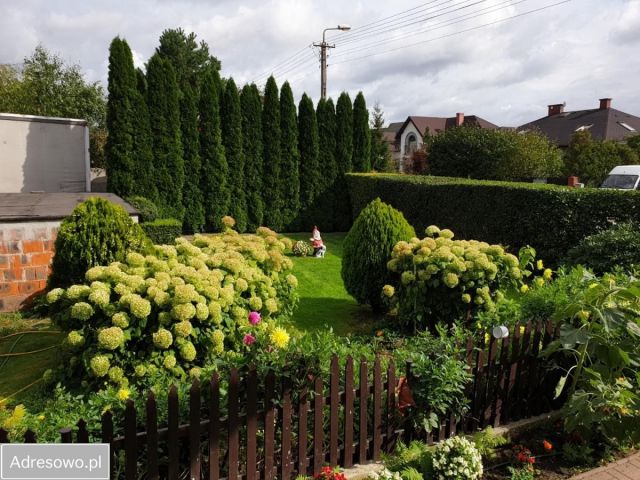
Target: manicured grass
[323, 300]
[20, 374]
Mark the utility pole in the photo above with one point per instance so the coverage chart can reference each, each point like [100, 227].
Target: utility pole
[323, 57]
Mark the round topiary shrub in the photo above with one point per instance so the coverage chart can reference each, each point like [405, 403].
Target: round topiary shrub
[147, 209]
[97, 232]
[302, 249]
[618, 246]
[367, 248]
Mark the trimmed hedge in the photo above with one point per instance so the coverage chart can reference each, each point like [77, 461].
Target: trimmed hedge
[550, 218]
[163, 231]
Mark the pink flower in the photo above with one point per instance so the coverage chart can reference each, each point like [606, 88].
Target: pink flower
[249, 339]
[254, 318]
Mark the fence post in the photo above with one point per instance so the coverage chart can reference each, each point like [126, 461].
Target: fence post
[490, 383]
[172, 434]
[66, 435]
[391, 407]
[214, 428]
[364, 412]
[234, 431]
[509, 393]
[269, 427]
[4, 436]
[152, 436]
[252, 423]
[503, 375]
[303, 409]
[407, 429]
[107, 437]
[30, 436]
[194, 429]
[348, 413]
[83, 434]
[334, 392]
[285, 460]
[318, 425]
[130, 442]
[533, 394]
[377, 409]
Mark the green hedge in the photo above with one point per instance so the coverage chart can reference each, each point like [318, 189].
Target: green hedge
[550, 218]
[163, 230]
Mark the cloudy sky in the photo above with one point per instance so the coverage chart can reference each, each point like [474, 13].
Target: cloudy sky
[414, 57]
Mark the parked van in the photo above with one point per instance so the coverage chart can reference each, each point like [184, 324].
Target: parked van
[623, 177]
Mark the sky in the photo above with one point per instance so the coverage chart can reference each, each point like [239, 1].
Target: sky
[499, 59]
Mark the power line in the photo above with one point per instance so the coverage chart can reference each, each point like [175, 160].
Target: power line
[284, 62]
[297, 64]
[437, 26]
[455, 33]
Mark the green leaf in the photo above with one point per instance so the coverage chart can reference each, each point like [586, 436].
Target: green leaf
[560, 386]
[633, 328]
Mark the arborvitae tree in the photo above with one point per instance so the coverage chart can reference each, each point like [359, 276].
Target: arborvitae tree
[192, 200]
[361, 136]
[380, 154]
[252, 150]
[214, 171]
[189, 58]
[273, 201]
[120, 119]
[232, 141]
[164, 108]
[309, 151]
[323, 212]
[344, 151]
[290, 156]
[144, 183]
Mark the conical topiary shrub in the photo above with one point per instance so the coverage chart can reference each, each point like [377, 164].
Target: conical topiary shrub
[367, 249]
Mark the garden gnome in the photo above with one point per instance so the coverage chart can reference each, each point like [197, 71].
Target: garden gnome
[319, 248]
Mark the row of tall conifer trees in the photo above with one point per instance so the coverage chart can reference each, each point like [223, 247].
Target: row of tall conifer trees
[200, 148]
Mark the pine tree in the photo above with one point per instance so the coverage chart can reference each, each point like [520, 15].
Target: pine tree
[381, 160]
[214, 171]
[309, 155]
[164, 108]
[120, 119]
[193, 221]
[232, 140]
[290, 156]
[344, 152]
[252, 149]
[273, 200]
[189, 58]
[361, 136]
[144, 183]
[323, 213]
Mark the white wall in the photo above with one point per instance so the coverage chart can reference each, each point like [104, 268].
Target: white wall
[43, 154]
[410, 128]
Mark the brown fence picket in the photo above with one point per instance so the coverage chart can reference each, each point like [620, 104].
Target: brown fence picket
[30, 436]
[547, 383]
[83, 434]
[66, 435]
[130, 442]
[269, 427]
[348, 413]
[391, 408]
[377, 410]
[234, 424]
[172, 433]
[476, 410]
[490, 387]
[285, 460]
[252, 424]
[194, 430]
[107, 437]
[522, 384]
[4, 436]
[469, 360]
[334, 401]
[501, 382]
[303, 410]
[214, 428]
[318, 425]
[152, 437]
[364, 412]
[531, 397]
[510, 388]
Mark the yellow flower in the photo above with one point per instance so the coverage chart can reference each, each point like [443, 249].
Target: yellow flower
[524, 288]
[279, 337]
[41, 417]
[548, 273]
[123, 394]
[539, 264]
[486, 338]
[522, 330]
[584, 315]
[593, 285]
[540, 281]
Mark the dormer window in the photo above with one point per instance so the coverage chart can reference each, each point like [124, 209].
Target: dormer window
[582, 128]
[627, 126]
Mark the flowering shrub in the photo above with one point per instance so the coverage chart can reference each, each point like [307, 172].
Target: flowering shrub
[328, 473]
[439, 279]
[302, 249]
[177, 310]
[457, 458]
[385, 474]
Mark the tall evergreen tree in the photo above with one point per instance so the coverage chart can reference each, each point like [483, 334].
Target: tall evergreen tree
[273, 199]
[232, 140]
[144, 183]
[323, 213]
[361, 136]
[192, 200]
[381, 160]
[308, 145]
[120, 119]
[252, 148]
[290, 156]
[214, 171]
[344, 152]
[164, 108]
[189, 58]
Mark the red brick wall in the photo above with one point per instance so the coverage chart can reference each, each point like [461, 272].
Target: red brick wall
[26, 250]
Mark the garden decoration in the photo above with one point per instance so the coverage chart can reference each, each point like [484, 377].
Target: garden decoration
[319, 248]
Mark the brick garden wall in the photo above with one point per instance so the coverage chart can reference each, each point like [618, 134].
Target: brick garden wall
[26, 250]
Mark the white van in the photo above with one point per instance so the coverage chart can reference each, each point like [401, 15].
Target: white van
[623, 177]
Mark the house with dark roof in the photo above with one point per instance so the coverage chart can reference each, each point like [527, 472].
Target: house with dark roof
[604, 123]
[409, 136]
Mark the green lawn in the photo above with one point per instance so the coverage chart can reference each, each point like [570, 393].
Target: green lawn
[20, 374]
[323, 299]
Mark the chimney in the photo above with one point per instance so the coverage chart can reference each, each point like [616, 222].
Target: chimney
[555, 109]
[605, 103]
[459, 119]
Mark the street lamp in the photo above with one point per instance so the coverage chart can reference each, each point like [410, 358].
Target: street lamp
[323, 57]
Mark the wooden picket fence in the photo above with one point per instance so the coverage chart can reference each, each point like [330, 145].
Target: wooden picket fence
[267, 430]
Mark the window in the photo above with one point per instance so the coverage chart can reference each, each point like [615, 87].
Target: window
[583, 128]
[410, 144]
[627, 126]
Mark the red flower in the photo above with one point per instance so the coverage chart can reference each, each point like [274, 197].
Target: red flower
[548, 446]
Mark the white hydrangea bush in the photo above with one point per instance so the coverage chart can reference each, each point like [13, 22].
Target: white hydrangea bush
[457, 458]
[442, 279]
[177, 309]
